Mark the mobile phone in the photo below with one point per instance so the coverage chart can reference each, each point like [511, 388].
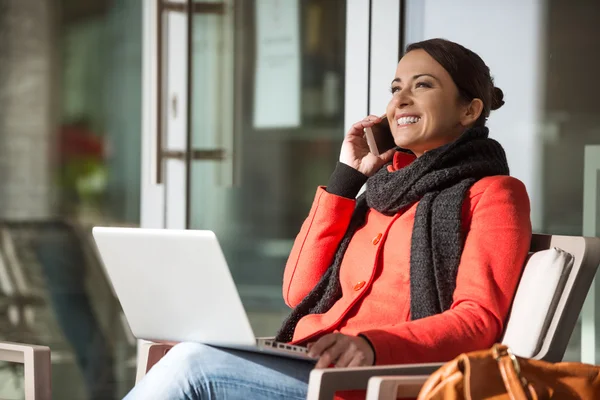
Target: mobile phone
[379, 137]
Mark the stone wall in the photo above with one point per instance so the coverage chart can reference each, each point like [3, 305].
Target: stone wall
[28, 105]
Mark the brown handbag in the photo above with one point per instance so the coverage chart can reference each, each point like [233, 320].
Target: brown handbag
[497, 374]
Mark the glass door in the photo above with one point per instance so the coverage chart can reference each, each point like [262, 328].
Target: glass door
[268, 94]
[243, 118]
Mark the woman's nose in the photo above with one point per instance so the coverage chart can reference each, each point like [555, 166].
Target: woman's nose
[403, 99]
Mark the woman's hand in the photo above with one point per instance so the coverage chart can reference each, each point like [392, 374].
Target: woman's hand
[341, 350]
[355, 150]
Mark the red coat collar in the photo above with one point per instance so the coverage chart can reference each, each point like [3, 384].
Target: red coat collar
[401, 160]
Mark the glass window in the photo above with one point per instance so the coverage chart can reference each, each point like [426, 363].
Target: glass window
[572, 132]
[539, 54]
[281, 125]
[70, 115]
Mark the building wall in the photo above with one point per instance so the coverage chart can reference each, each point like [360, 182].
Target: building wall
[27, 110]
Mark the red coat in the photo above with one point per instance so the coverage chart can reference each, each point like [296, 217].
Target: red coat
[374, 274]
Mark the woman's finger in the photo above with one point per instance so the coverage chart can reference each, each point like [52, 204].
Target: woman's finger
[363, 124]
[357, 127]
[366, 122]
[346, 357]
[358, 360]
[322, 344]
[333, 353]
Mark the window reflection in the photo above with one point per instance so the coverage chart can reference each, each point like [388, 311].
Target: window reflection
[279, 167]
[70, 116]
[572, 120]
[70, 126]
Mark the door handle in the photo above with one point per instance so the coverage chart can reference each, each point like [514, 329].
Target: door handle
[196, 154]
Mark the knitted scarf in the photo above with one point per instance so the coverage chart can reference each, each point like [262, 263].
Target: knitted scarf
[438, 180]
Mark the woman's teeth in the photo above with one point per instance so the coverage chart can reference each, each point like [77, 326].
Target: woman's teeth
[408, 120]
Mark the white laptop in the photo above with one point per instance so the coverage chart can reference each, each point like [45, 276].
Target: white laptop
[175, 286]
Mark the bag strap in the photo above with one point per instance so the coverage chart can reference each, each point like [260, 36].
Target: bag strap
[510, 370]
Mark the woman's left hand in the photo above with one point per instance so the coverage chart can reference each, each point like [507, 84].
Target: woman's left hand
[341, 350]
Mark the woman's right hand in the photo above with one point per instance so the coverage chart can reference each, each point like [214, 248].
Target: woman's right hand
[355, 150]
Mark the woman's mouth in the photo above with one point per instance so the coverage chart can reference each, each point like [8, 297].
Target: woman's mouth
[404, 121]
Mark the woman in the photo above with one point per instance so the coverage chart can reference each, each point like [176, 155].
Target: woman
[420, 268]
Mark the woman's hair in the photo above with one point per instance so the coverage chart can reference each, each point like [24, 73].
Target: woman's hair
[468, 71]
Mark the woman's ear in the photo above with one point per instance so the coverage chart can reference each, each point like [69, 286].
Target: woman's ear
[471, 112]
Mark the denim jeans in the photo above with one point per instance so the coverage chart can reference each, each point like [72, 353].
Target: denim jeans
[194, 371]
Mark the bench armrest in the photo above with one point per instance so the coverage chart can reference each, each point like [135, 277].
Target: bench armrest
[37, 367]
[323, 383]
[149, 354]
[394, 387]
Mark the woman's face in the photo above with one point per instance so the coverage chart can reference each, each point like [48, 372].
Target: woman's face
[425, 111]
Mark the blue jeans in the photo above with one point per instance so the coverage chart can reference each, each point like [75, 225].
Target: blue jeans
[194, 371]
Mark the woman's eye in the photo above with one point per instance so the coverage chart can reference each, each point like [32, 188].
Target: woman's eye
[423, 84]
[394, 89]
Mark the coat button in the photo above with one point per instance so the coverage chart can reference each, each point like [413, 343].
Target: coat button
[377, 238]
[359, 285]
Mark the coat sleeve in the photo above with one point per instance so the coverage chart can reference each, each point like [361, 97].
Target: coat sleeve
[316, 244]
[491, 264]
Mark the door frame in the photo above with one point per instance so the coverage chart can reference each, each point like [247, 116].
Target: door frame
[164, 179]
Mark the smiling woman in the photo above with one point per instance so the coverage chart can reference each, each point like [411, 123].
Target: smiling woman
[434, 85]
[420, 268]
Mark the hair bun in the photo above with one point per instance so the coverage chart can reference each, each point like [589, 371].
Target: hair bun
[497, 98]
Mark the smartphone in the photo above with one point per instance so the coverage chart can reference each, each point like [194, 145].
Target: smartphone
[379, 137]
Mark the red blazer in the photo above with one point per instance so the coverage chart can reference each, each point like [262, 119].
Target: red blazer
[374, 274]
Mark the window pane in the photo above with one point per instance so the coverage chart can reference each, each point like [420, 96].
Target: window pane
[544, 56]
[70, 115]
[286, 135]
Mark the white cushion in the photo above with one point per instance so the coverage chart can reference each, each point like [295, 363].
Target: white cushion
[540, 289]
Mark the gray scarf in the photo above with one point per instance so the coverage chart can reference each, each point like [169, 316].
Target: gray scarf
[438, 180]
